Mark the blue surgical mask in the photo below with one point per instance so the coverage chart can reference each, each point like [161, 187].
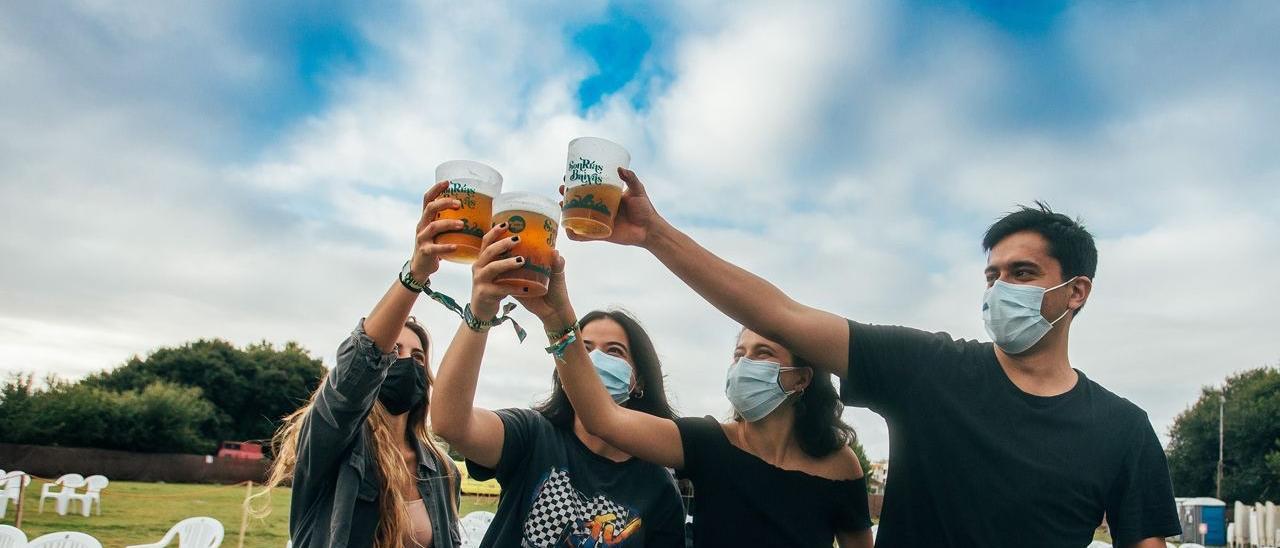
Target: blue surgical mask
[615, 373]
[753, 388]
[1011, 313]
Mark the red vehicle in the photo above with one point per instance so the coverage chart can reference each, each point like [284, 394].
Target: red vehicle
[240, 450]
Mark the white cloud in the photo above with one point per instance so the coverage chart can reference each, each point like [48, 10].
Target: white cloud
[800, 142]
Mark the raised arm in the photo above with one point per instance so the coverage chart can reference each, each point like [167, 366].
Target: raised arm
[639, 434]
[822, 338]
[475, 432]
[348, 392]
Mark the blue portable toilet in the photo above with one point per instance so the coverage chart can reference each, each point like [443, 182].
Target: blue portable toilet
[1204, 520]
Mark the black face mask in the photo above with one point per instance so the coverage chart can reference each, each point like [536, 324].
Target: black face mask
[404, 388]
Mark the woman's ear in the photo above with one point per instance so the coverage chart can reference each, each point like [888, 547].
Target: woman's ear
[803, 376]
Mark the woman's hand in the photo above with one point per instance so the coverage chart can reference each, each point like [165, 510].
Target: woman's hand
[487, 295]
[553, 308]
[426, 253]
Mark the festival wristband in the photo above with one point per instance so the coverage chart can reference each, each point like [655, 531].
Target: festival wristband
[476, 324]
[561, 343]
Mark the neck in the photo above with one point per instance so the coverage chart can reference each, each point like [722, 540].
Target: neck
[597, 445]
[400, 423]
[1045, 369]
[773, 437]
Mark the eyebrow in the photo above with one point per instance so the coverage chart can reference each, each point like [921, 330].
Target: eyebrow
[992, 269]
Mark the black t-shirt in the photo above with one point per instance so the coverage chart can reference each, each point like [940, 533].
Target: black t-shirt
[556, 492]
[975, 461]
[740, 500]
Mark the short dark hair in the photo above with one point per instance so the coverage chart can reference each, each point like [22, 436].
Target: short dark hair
[652, 398]
[1069, 242]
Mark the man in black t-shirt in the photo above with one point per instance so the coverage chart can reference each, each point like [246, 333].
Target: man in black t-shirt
[991, 444]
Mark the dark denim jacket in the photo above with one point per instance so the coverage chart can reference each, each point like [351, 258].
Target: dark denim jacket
[335, 482]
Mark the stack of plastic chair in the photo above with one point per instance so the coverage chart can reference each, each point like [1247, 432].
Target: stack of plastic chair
[1241, 522]
[65, 539]
[12, 537]
[69, 484]
[198, 532]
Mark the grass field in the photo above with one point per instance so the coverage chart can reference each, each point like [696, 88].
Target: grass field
[137, 513]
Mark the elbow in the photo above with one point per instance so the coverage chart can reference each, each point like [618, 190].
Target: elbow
[602, 425]
[444, 426]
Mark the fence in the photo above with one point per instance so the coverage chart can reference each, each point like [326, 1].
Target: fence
[46, 461]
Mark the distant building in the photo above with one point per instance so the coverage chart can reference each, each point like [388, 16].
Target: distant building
[878, 476]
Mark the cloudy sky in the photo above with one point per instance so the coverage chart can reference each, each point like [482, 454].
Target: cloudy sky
[171, 171]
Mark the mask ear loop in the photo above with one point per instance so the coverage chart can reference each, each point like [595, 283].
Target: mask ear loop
[1064, 312]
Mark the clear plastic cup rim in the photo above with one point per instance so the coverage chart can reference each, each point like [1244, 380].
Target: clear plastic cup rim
[519, 200]
[490, 181]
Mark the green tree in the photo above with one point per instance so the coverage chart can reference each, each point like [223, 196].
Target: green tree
[250, 388]
[162, 417]
[1251, 447]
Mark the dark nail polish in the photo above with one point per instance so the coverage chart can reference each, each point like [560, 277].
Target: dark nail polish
[519, 260]
[515, 238]
[503, 225]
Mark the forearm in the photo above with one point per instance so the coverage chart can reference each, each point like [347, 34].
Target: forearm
[387, 318]
[454, 392]
[591, 402]
[739, 294]
[822, 338]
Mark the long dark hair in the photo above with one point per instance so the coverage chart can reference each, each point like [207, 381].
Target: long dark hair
[819, 429]
[651, 399]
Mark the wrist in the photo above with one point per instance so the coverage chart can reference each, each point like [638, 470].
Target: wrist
[485, 309]
[558, 321]
[659, 236]
[416, 283]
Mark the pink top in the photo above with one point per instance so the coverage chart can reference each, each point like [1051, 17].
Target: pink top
[419, 531]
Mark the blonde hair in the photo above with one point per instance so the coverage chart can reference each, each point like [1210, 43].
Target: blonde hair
[393, 524]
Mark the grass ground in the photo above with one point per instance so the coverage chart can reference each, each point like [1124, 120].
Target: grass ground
[136, 513]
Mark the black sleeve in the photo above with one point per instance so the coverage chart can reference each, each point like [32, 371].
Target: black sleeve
[852, 512]
[519, 429]
[885, 361]
[1140, 503]
[697, 438]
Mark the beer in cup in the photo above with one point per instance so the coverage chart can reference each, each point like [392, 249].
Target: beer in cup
[475, 185]
[592, 188]
[531, 217]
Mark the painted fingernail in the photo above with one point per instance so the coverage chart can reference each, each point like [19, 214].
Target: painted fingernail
[519, 260]
[515, 238]
[503, 225]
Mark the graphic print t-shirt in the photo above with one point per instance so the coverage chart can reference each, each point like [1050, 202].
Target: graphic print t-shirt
[556, 492]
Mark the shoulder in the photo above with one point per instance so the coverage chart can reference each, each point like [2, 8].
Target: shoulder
[699, 427]
[840, 465]
[1114, 408]
[525, 420]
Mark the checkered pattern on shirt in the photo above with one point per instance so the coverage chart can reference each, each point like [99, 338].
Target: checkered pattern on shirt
[559, 511]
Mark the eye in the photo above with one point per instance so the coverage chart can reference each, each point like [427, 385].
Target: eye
[617, 352]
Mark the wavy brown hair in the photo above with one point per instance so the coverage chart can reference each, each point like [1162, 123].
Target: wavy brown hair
[394, 518]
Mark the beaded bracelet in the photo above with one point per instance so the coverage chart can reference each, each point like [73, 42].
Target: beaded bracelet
[562, 342]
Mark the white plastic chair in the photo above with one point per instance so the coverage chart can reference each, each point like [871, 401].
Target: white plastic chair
[93, 493]
[474, 526]
[12, 537]
[65, 539]
[198, 532]
[11, 485]
[69, 484]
